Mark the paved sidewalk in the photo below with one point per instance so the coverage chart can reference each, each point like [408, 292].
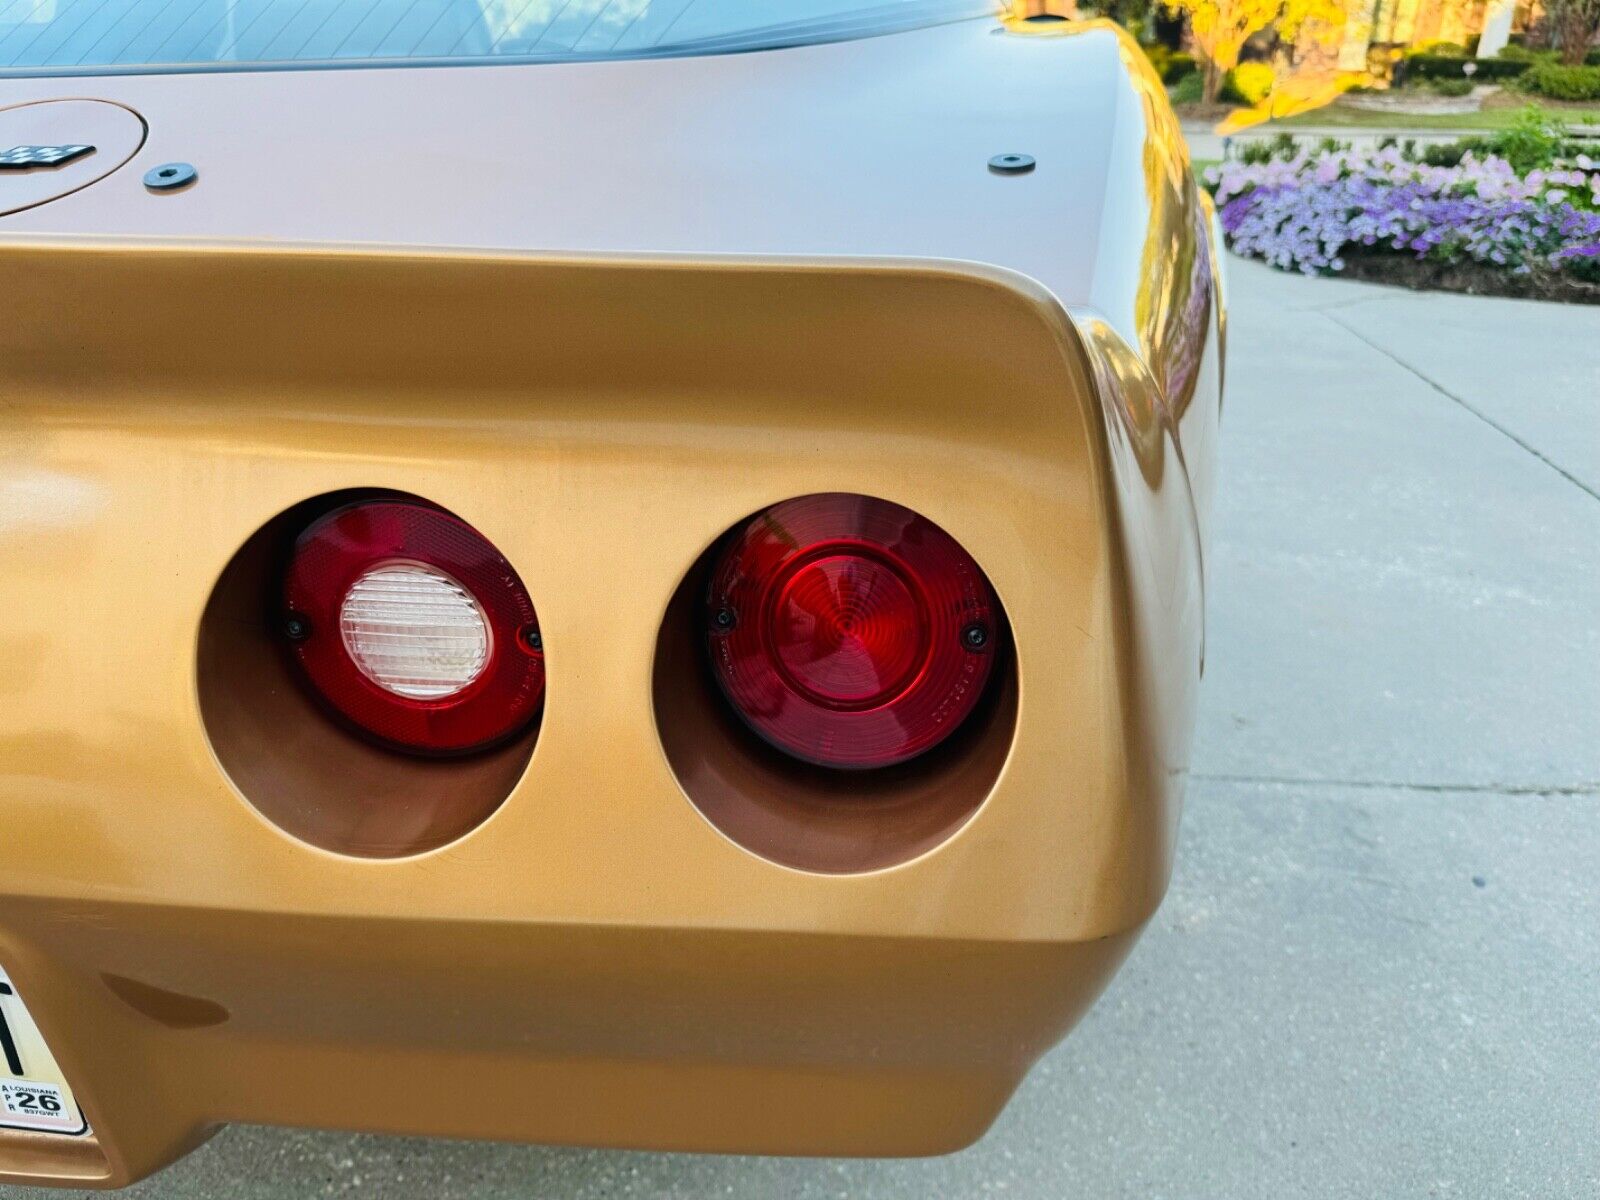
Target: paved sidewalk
[1377, 971]
[1205, 144]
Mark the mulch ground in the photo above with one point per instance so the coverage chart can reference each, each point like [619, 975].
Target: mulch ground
[1475, 279]
[1210, 114]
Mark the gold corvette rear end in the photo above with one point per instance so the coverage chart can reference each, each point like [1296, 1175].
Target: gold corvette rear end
[630, 922]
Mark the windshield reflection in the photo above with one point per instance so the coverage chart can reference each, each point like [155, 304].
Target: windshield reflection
[68, 34]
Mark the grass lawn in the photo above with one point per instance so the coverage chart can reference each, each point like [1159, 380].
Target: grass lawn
[1345, 117]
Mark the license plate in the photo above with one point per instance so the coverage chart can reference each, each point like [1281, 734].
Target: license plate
[33, 1094]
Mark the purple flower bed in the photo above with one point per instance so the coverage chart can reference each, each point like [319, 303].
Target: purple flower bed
[1308, 212]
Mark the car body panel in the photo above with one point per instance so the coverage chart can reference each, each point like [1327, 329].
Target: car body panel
[745, 154]
[603, 363]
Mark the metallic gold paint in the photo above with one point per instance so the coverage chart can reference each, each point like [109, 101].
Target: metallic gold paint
[594, 962]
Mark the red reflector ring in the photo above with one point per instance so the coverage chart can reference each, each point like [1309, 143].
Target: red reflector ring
[850, 632]
[413, 627]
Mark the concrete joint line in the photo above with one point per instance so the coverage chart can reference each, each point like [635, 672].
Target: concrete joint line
[1449, 395]
[1491, 789]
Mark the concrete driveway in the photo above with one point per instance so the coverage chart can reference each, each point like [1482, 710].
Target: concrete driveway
[1378, 970]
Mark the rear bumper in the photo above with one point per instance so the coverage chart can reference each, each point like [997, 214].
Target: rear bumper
[728, 1041]
[593, 960]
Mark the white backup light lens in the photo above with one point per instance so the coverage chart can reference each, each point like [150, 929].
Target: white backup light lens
[414, 631]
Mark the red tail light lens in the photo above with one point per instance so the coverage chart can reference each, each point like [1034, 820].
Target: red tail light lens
[413, 627]
[850, 632]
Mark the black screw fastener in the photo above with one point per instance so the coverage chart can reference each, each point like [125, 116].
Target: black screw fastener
[170, 175]
[975, 636]
[296, 628]
[1011, 164]
[723, 620]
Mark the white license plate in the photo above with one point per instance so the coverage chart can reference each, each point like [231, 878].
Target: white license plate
[33, 1094]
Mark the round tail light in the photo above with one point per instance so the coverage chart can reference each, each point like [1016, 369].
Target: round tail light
[850, 632]
[413, 627]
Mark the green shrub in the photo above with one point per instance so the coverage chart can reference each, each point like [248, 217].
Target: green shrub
[1190, 89]
[1407, 148]
[1450, 154]
[1451, 87]
[1171, 65]
[1523, 54]
[1515, 53]
[1258, 151]
[1248, 83]
[1438, 49]
[1563, 83]
[1536, 140]
[1178, 66]
[1586, 268]
[1435, 66]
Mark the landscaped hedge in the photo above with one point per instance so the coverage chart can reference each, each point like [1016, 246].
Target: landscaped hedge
[1439, 47]
[1188, 90]
[1179, 64]
[1171, 65]
[1523, 54]
[1562, 83]
[1439, 66]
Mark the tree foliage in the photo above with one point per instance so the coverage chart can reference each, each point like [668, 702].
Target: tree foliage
[1221, 27]
[1576, 22]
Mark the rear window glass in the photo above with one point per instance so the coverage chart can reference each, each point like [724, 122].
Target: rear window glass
[97, 36]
